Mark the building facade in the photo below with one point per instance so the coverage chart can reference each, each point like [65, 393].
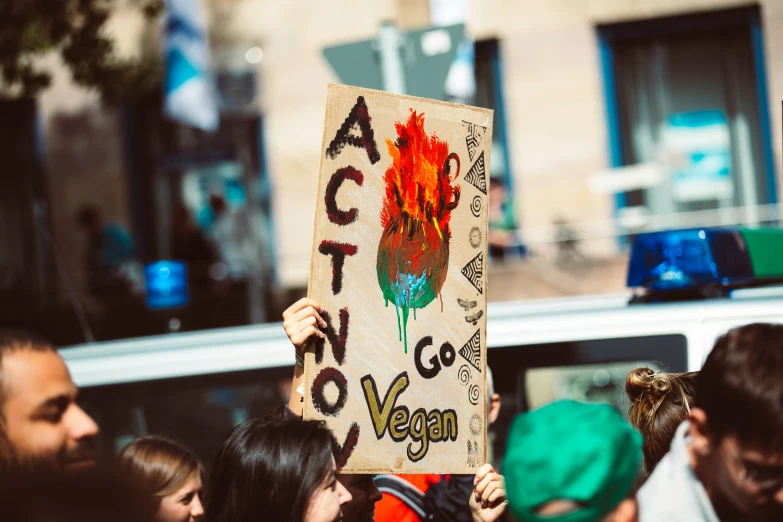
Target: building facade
[617, 116]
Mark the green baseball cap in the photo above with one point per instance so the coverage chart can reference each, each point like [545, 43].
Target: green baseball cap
[574, 451]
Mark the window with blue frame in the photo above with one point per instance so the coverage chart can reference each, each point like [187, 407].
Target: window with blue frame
[689, 94]
[504, 240]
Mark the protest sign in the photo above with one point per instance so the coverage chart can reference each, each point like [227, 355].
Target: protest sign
[399, 267]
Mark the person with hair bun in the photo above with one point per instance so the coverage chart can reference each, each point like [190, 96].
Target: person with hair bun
[165, 477]
[660, 402]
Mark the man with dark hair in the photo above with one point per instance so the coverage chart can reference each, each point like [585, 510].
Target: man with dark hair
[41, 426]
[726, 463]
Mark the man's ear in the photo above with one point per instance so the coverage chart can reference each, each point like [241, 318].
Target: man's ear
[494, 408]
[699, 431]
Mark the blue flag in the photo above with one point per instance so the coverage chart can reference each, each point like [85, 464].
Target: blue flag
[190, 90]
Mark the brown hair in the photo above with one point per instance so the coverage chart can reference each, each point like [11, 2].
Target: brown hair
[12, 342]
[740, 389]
[156, 467]
[660, 402]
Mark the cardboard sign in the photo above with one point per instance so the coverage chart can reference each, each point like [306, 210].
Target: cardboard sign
[399, 267]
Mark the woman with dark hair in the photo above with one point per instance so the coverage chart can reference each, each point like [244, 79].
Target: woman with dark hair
[276, 469]
[166, 478]
[660, 402]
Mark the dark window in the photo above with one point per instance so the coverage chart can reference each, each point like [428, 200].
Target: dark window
[200, 411]
[689, 96]
[529, 376]
[504, 239]
[197, 411]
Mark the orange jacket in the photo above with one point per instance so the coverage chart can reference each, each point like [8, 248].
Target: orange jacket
[391, 509]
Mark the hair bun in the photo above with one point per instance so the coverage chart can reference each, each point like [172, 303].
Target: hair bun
[647, 384]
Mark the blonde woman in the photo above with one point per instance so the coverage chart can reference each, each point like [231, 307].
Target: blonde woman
[660, 402]
[166, 476]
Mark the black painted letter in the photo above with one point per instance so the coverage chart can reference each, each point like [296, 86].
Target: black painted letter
[447, 354]
[344, 452]
[337, 216]
[427, 373]
[359, 114]
[338, 251]
[338, 342]
[320, 402]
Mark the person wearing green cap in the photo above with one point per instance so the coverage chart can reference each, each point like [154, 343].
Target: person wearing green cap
[572, 462]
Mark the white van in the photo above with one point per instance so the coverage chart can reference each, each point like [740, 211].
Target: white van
[196, 386]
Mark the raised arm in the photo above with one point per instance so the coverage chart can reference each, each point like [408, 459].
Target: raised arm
[302, 321]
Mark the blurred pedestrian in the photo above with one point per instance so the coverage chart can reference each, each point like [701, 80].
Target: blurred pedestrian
[244, 268]
[110, 262]
[205, 273]
[660, 402]
[190, 245]
[480, 498]
[276, 469]
[726, 461]
[166, 478]
[501, 236]
[238, 238]
[41, 425]
[575, 462]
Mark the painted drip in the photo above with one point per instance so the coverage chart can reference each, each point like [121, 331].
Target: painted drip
[412, 260]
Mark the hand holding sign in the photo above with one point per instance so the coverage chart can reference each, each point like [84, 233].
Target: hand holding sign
[302, 320]
[398, 270]
[488, 501]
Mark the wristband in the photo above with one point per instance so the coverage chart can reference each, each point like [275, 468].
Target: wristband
[299, 360]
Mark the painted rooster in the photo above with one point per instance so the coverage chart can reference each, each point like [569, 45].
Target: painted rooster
[413, 255]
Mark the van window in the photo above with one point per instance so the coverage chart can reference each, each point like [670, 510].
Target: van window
[595, 383]
[200, 411]
[592, 370]
[196, 411]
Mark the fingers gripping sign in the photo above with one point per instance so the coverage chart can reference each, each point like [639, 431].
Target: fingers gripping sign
[302, 321]
[488, 501]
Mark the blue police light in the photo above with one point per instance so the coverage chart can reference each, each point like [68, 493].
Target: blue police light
[690, 259]
[166, 283]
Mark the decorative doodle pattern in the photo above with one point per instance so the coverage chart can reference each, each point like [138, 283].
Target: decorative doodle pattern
[472, 350]
[477, 175]
[475, 207]
[475, 133]
[463, 374]
[473, 454]
[475, 317]
[474, 394]
[474, 271]
[475, 425]
[467, 305]
[475, 237]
